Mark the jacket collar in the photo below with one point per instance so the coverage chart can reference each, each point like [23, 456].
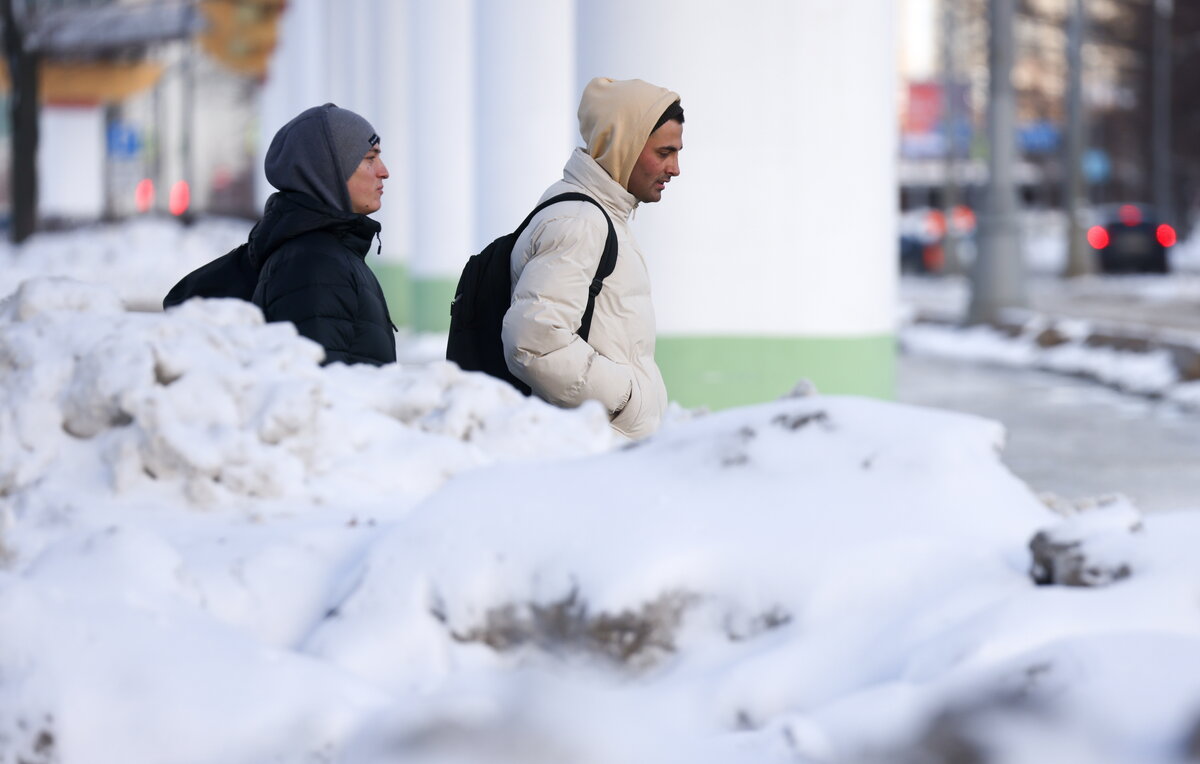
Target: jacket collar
[290, 214]
[582, 170]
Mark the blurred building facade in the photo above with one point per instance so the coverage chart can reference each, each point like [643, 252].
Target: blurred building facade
[772, 256]
[1119, 72]
[146, 105]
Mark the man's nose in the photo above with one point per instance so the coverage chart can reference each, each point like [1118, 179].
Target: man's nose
[673, 166]
[382, 172]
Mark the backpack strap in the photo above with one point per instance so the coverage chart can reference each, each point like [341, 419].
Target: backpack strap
[608, 260]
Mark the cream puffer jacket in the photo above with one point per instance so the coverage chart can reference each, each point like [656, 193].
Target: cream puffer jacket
[553, 263]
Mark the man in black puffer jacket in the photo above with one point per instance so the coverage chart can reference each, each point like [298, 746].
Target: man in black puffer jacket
[310, 246]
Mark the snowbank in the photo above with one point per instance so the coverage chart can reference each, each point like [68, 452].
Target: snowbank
[1137, 334]
[1128, 363]
[141, 258]
[213, 549]
[219, 405]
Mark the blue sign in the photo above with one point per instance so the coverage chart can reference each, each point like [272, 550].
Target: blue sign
[124, 141]
[1039, 137]
[1096, 166]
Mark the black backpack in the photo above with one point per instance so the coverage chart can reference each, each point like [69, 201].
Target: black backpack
[230, 275]
[484, 295]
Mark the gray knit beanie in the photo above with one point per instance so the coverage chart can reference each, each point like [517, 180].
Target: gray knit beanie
[353, 137]
[318, 151]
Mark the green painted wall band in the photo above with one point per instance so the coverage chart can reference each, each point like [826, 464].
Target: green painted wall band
[397, 290]
[431, 303]
[722, 371]
[417, 303]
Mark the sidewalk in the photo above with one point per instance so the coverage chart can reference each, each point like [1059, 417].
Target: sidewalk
[1140, 315]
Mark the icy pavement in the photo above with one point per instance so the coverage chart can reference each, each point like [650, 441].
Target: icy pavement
[1069, 436]
[1137, 336]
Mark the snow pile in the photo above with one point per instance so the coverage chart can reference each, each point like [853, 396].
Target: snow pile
[212, 401]
[1185, 256]
[1091, 548]
[142, 258]
[216, 550]
[1066, 347]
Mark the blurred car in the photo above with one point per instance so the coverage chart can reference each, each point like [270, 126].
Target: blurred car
[1130, 238]
[923, 233]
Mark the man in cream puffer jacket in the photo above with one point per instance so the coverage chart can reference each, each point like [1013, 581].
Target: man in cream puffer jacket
[634, 132]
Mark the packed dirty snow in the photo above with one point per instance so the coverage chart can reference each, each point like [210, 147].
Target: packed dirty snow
[214, 549]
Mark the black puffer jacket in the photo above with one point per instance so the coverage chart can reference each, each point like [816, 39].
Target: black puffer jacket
[312, 272]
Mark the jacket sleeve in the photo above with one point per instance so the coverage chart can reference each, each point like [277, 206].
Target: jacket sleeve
[314, 291]
[541, 346]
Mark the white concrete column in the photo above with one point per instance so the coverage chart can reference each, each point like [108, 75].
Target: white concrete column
[350, 33]
[773, 255]
[442, 44]
[70, 162]
[525, 107]
[297, 76]
[386, 99]
[355, 53]
[338, 25]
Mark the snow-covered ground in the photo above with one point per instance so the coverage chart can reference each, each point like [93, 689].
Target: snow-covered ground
[1133, 334]
[1136, 333]
[141, 259]
[213, 549]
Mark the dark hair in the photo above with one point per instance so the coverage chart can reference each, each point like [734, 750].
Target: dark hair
[674, 111]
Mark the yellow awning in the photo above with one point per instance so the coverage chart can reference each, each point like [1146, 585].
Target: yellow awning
[91, 82]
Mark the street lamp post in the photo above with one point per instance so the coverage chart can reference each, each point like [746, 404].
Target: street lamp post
[1079, 260]
[1163, 12]
[950, 261]
[23, 110]
[998, 276]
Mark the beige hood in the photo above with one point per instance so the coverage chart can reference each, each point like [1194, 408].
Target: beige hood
[615, 119]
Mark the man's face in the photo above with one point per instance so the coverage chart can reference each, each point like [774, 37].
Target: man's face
[366, 184]
[658, 163]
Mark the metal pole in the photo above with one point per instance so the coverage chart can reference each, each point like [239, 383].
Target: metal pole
[950, 263]
[1079, 258]
[112, 116]
[189, 122]
[1163, 12]
[158, 135]
[998, 277]
[23, 113]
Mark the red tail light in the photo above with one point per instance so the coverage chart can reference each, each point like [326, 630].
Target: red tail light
[934, 258]
[1097, 236]
[181, 197]
[963, 219]
[1166, 235]
[935, 223]
[1130, 214]
[143, 195]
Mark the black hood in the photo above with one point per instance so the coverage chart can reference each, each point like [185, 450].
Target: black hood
[290, 214]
